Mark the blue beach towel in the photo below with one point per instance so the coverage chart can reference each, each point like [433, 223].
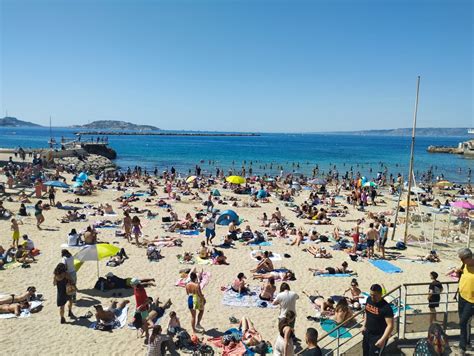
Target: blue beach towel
[188, 232]
[263, 243]
[334, 275]
[385, 266]
[328, 325]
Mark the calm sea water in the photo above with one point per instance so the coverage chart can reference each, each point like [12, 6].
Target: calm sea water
[361, 152]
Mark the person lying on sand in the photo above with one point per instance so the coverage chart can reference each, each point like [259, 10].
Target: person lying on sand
[318, 252]
[325, 306]
[12, 298]
[250, 336]
[14, 308]
[331, 270]
[281, 276]
[115, 282]
[156, 311]
[111, 313]
[431, 257]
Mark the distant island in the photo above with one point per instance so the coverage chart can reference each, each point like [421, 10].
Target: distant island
[421, 131]
[116, 125]
[9, 121]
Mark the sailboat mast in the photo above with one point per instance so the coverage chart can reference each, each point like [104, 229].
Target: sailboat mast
[410, 174]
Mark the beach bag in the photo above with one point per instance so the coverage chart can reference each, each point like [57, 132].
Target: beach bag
[153, 253]
[183, 339]
[261, 348]
[323, 238]
[400, 245]
[166, 219]
[71, 289]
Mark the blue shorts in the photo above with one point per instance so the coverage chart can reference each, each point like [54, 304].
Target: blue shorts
[210, 233]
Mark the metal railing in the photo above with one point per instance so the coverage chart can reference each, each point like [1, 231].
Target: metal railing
[346, 338]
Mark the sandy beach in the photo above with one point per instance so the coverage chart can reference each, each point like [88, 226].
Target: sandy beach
[46, 336]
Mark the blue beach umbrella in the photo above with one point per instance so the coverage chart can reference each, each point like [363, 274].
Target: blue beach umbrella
[56, 183]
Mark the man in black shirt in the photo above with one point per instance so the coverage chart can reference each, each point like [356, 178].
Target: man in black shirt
[378, 322]
[312, 342]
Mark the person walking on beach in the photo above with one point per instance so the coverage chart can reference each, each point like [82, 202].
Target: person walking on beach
[377, 324]
[61, 280]
[196, 302]
[68, 260]
[286, 299]
[39, 214]
[127, 226]
[210, 223]
[383, 234]
[137, 226]
[465, 297]
[16, 232]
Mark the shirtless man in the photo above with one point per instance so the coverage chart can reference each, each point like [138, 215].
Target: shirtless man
[127, 225]
[268, 290]
[14, 308]
[108, 315]
[11, 299]
[372, 236]
[196, 302]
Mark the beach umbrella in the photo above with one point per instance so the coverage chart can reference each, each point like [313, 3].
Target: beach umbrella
[444, 183]
[81, 177]
[190, 179]
[405, 203]
[464, 204]
[56, 183]
[296, 186]
[318, 181]
[78, 184]
[235, 179]
[370, 184]
[96, 253]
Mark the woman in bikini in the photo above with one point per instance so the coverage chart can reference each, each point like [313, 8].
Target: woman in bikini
[354, 299]
[268, 290]
[332, 270]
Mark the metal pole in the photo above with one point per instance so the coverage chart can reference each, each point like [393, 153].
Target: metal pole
[469, 233]
[449, 225]
[410, 174]
[433, 234]
[396, 212]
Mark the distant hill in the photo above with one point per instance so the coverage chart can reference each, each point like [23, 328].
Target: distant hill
[422, 131]
[9, 121]
[116, 125]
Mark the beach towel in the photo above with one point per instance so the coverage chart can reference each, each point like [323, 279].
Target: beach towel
[65, 245]
[385, 266]
[263, 243]
[25, 313]
[334, 275]
[119, 322]
[201, 261]
[188, 232]
[328, 325]
[250, 300]
[275, 257]
[205, 278]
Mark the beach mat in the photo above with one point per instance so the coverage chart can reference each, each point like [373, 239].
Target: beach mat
[264, 243]
[385, 266]
[335, 275]
[188, 232]
[328, 325]
[250, 300]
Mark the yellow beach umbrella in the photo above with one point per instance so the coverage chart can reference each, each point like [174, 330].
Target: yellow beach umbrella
[405, 203]
[190, 179]
[444, 183]
[235, 179]
[95, 252]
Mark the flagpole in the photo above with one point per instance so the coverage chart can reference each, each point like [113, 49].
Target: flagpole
[410, 174]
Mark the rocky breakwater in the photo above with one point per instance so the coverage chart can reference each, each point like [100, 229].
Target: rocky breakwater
[99, 149]
[90, 162]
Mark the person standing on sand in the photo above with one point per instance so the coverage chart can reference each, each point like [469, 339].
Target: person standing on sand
[16, 232]
[372, 236]
[137, 226]
[383, 234]
[356, 236]
[61, 280]
[127, 226]
[465, 297]
[286, 299]
[52, 196]
[39, 214]
[196, 302]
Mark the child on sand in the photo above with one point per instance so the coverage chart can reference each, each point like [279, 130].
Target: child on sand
[16, 232]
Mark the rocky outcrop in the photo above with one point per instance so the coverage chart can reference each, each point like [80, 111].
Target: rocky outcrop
[99, 149]
[443, 149]
[92, 163]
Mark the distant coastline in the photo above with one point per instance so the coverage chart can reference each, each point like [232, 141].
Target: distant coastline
[161, 133]
[422, 131]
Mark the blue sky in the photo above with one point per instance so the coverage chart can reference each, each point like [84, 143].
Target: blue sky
[274, 66]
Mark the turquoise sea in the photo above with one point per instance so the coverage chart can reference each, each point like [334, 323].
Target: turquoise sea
[363, 153]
